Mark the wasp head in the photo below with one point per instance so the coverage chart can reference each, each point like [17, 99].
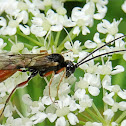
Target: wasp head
[70, 68]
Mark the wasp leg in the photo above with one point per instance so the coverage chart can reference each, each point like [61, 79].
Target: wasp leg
[44, 52]
[50, 82]
[17, 86]
[64, 69]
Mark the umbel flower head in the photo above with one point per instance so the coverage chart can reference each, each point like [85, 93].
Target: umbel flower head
[95, 94]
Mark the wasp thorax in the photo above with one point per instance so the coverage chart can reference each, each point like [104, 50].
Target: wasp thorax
[70, 68]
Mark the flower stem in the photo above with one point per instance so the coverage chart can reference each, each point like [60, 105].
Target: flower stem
[81, 122]
[95, 117]
[120, 118]
[57, 38]
[29, 38]
[97, 111]
[28, 46]
[61, 46]
[85, 117]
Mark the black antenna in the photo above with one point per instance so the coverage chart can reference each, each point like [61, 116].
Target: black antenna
[99, 56]
[82, 61]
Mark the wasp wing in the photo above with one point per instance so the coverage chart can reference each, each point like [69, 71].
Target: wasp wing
[17, 61]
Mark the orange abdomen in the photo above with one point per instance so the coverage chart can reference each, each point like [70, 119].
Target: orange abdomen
[4, 74]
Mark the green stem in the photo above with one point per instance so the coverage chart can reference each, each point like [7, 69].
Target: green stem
[97, 111]
[85, 117]
[4, 37]
[61, 46]
[41, 39]
[23, 107]
[120, 118]
[29, 38]
[81, 122]
[57, 38]
[95, 117]
[28, 46]
[83, 47]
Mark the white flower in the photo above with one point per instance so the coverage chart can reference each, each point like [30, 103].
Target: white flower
[107, 27]
[92, 79]
[51, 117]
[27, 99]
[72, 119]
[123, 123]
[61, 10]
[73, 105]
[85, 103]
[60, 121]
[22, 17]
[89, 44]
[19, 121]
[8, 30]
[117, 69]
[96, 124]
[124, 6]
[76, 30]
[57, 21]
[84, 16]
[17, 47]
[9, 6]
[81, 19]
[82, 84]
[104, 69]
[101, 12]
[2, 44]
[25, 29]
[36, 107]
[119, 44]
[8, 111]
[2, 21]
[122, 94]
[38, 31]
[122, 105]
[62, 111]
[94, 91]
[116, 88]
[39, 4]
[114, 124]
[115, 107]
[108, 113]
[64, 89]
[108, 98]
[74, 47]
[80, 93]
[101, 8]
[106, 82]
[96, 38]
[38, 117]
[124, 56]
[57, 27]
[46, 100]
[69, 56]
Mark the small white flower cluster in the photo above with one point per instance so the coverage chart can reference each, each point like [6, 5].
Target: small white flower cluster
[18, 13]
